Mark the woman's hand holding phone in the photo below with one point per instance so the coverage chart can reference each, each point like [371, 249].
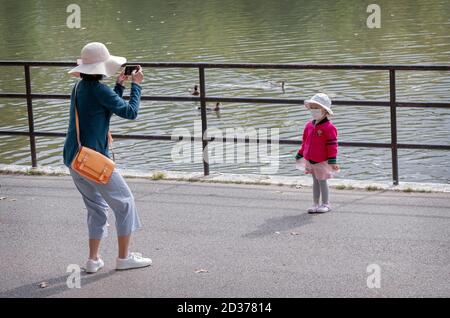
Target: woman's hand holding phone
[137, 75]
[122, 78]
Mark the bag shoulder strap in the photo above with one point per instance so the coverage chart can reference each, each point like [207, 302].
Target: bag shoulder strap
[77, 125]
[110, 142]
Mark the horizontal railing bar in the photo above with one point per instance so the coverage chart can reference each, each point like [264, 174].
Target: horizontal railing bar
[297, 142]
[246, 65]
[48, 134]
[118, 136]
[263, 100]
[234, 139]
[14, 133]
[295, 66]
[168, 98]
[37, 63]
[329, 66]
[35, 96]
[66, 96]
[421, 105]
[430, 147]
[242, 100]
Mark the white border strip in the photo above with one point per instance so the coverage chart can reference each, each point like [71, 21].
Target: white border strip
[300, 181]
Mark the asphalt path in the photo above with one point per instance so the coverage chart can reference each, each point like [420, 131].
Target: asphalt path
[228, 240]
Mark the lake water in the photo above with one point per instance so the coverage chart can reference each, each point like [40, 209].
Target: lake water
[285, 31]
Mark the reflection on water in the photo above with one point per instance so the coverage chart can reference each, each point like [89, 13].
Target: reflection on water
[288, 31]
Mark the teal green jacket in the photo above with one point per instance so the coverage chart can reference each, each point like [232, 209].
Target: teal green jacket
[96, 102]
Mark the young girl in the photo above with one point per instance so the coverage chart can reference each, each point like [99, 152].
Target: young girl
[319, 149]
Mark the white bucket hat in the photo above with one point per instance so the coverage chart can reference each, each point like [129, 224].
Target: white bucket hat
[95, 59]
[322, 100]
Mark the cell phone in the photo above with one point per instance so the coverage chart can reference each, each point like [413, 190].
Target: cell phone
[130, 68]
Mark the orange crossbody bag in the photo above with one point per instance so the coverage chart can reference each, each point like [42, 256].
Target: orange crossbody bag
[89, 163]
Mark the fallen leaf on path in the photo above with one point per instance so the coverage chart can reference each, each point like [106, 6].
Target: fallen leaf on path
[43, 285]
[201, 271]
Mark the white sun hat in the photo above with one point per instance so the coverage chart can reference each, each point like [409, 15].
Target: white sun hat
[95, 59]
[322, 100]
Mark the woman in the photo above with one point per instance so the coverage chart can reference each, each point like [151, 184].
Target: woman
[96, 103]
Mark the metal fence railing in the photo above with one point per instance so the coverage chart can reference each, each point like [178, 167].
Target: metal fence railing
[392, 103]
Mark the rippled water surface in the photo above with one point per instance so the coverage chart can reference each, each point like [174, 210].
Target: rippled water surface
[291, 31]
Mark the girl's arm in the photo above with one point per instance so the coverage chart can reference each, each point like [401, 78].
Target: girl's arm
[299, 154]
[332, 145]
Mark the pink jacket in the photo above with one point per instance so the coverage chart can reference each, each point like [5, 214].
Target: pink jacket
[319, 142]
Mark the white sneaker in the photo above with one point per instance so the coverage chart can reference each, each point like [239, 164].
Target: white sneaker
[134, 260]
[324, 208]
[313, 209]
[93, 266]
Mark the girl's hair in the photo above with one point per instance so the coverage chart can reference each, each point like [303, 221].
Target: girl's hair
[91, 77]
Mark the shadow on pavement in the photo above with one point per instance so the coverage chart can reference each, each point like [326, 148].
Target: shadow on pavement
[56, 285]
[279, 224]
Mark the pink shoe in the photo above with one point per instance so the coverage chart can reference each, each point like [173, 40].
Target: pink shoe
[324, 208]
[313, 209]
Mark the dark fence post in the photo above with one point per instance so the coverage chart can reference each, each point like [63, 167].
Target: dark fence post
[201, 70]
[30, 116]
[393, 107]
